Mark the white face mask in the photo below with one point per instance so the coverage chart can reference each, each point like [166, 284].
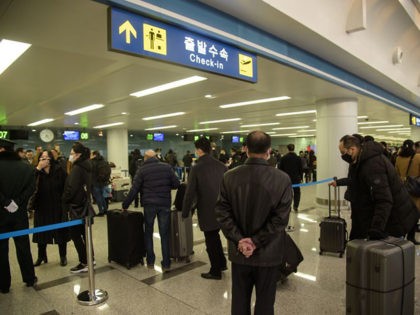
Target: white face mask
[71, 158]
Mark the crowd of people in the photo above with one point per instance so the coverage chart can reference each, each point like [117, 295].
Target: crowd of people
[246, 194]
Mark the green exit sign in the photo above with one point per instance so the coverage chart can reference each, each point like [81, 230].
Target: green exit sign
[4, 134]
[84, 135]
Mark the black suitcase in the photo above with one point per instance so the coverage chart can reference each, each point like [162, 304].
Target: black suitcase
[380, 277]
[333, 229]
[125, 237]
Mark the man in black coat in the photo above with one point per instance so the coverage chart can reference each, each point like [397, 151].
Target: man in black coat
[253, 210]
[154, 181]
[292, 165]
[380, 205]
[202, 191]
[17, 184]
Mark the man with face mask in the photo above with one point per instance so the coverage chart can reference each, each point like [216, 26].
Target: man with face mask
[380, 207]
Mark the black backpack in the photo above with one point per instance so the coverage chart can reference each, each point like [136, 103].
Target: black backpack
[103, 172]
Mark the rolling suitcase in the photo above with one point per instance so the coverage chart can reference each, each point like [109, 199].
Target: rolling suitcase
[125, 237]
[181, 240]
[333, 229]
[380, 277]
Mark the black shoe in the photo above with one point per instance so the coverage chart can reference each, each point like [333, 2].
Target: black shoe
[32, 283]
[79, 268]
[4, 291]
[100, 214]
[208, 275]
[40, 260]
[63, 261]
[224, 268]
[295, 208]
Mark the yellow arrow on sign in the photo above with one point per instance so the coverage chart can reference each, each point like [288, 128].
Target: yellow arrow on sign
[128, 29]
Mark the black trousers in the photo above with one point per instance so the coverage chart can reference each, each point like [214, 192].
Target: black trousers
[9, 223]
[244, 278]
[78, 235]
[296, 197]
[215, 251]
[42, 249]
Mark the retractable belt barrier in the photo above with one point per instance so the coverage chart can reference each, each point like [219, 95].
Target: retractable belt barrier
[80, 221]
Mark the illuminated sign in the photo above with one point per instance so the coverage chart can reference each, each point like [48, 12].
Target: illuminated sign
[4, 134]
[84, 136]
[135, 34]
[414, 120]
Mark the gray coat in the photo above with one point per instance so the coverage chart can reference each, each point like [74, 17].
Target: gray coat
[203, 190]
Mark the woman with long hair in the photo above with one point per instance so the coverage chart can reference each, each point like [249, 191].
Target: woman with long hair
[408, 164]
[76, 195]
[47, 205]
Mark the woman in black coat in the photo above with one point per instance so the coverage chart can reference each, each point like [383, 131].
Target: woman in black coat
[46, 202]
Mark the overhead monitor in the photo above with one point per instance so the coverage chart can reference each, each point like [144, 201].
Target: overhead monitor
[71, 135]
[158, 137]
[17, 134]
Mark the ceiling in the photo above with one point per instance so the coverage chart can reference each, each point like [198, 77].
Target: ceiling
[69, 66]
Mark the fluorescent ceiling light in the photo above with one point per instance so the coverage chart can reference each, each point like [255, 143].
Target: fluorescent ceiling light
[84, 109]
[10, 51]
[162, 127]
[385, 126]
[40, 122]
[307, 130]
[393, 129]
[260, 101]
[235, 131]
[400, 132]
[168, 86]
[219, 121]
[283, 134]
[297, 113]
[361, 117]
[296, 127]
[164, 116]
[270, 132]
[259, 125]
[301, 136]
[198, 130]
[109, 125]
[373, 122]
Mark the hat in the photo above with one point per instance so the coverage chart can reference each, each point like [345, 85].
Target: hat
[4, 143]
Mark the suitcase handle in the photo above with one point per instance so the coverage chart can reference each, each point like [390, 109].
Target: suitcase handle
[336, 199]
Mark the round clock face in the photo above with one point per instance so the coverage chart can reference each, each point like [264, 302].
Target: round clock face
[46, 135]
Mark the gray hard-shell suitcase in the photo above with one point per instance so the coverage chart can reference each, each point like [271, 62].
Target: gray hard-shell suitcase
[380, 277]
[333, 229]
[181, 240]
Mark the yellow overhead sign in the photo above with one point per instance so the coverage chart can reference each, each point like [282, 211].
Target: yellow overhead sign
[154, 39]
[245, 65]
[129, 30]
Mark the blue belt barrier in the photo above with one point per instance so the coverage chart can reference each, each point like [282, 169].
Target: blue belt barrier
[41, 229]
[313, 183]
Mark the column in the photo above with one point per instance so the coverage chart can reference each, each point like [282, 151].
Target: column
[117, 146]
[335, 118]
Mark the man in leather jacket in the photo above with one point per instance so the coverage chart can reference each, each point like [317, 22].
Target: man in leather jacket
[253, 211]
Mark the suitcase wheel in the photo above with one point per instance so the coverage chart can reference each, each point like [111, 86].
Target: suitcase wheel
[341, 255]
[320, 252]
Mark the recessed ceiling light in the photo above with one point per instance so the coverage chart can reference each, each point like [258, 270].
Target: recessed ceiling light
[124, 113]
[168, 86]
[10, 51]
[198, 130]
[259, 125]
[84, 109]
[219, 121]
[109, 125]
[297, 113]
[162, 127]
[235, 131]
[33, 130]
[260, 101]
[209, 96]
[76, 123]
[385, 126]
[361, 117]
[373, 122]
[164, 116]
[40, 122]
[295, 127]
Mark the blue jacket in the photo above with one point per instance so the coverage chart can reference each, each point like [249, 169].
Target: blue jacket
[154, 181]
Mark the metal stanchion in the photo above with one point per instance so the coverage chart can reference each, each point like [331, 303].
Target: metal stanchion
[92, 296]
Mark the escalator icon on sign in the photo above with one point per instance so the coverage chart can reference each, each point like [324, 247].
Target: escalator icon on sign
[245, 65]
[154, 39]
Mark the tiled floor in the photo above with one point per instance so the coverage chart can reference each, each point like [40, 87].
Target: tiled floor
[318, 288]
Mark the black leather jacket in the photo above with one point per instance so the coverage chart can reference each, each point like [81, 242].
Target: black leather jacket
[254, 202]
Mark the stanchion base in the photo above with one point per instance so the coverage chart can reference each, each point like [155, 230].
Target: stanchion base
[85, 298]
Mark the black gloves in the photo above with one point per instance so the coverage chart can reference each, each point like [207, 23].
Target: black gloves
[375, 234]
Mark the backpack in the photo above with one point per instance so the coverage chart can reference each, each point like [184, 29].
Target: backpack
[103, 172]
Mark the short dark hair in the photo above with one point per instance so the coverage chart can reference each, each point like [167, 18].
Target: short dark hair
[78, 147]
[18, 150]
[350, 141]
[204, 144]
[291, 147]
[407, 148]
[258, 142]
[368, 138]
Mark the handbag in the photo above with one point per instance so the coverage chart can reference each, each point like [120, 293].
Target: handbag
[83, 210]
[412, 183]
